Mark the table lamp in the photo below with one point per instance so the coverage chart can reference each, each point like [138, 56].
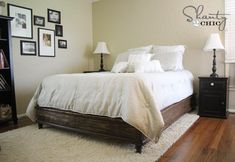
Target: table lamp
[101, 48]
[213, 43]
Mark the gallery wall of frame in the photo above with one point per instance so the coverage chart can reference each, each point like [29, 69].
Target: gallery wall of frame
[22, 27]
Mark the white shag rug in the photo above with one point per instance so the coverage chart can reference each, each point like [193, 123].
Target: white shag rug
[29, 144]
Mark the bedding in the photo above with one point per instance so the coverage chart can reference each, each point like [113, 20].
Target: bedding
[154, 50]
[123, 57]
[133, 59]
[172, 61]
[120, 67]
[153, 66]
[136, 98]
[146, 49]
[168, 49]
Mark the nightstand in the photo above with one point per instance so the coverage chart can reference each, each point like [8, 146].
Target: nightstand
[213, 96]
[95, 71]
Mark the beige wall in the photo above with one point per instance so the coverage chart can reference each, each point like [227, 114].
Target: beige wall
[30, 70]
[125, 24]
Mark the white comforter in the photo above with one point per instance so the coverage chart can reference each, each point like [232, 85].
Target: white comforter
[136, 98]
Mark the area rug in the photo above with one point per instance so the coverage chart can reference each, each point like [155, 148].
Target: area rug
[29, 144]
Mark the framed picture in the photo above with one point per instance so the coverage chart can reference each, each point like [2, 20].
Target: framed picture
[62, 43]
[28, 48]
[39, 21]
[21, 25]
[53, 16]
[46, 42]
[59, 30]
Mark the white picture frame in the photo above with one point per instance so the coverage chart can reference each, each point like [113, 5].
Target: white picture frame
[21, 25]
[46, 42]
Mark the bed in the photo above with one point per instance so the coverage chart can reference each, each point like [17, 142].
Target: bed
[132, 107]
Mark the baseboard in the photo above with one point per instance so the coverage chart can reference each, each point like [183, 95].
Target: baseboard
[231, 88]
[21, 116]
[231, 110]
[231, 95]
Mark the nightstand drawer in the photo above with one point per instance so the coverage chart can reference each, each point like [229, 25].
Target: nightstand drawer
[213, 85]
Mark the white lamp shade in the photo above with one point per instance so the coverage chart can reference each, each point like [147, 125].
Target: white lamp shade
[213, 42]
[101, 48]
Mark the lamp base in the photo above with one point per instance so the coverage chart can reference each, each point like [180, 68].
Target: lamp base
[101, 63]
[214, 75]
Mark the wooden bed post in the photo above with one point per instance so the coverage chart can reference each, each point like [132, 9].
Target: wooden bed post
[40, 126]
[138, 148]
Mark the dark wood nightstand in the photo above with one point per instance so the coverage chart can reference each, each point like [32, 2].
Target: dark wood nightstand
[213, 96]
[95, 71]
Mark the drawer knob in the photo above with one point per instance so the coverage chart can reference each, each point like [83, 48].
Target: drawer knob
[222, 103]
[212, 84]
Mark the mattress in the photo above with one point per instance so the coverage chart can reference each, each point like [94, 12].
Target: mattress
[135, 97]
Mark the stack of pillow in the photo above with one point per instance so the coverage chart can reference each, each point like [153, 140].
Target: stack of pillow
[149, 59]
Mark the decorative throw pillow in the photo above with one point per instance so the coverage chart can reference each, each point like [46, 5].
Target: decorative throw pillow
[123, 57]
[120, 67]
[148, 67]
[135, 59]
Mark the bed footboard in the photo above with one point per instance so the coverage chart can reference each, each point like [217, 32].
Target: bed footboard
[107, 127]
[91, 125]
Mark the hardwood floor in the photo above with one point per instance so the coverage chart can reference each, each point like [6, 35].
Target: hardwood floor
[24, 121]
[208, 140]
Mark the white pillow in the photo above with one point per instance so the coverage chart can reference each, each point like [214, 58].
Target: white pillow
[168, 49]
[148, 67]
[123, 57]
[120, 67]
[172, 61]
[133, 59]
[146, 49]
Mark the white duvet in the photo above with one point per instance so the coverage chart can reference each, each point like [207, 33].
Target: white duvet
[135, 97]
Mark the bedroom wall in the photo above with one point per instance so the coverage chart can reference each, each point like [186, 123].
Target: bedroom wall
[30, 70]
[126, 24]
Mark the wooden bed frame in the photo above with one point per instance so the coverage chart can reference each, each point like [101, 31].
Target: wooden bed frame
[114, 128]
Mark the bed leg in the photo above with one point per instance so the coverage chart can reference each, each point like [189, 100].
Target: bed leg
[138, 148]
[194, 101]
[40, 126]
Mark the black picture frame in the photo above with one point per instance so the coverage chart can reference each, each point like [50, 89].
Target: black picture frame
[39, 20]
[59, 30]
[46, 42]
[53, 16]
[62, 43]
[28, 48]
[21, 25]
